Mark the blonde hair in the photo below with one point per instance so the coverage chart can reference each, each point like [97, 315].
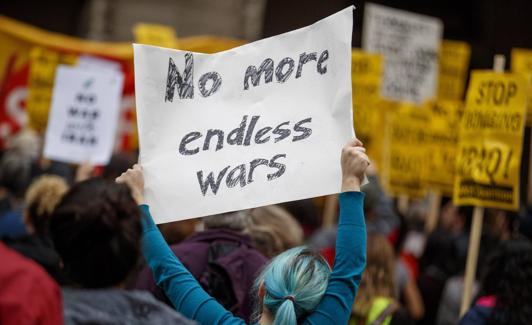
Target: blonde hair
[43, 195]
[274, 230]
[378, 279]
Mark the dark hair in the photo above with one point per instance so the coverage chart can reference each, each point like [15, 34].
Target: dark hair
[96, 231]
[508, 277]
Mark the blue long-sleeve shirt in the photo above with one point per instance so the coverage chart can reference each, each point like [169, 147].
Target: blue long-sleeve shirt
[189, 298]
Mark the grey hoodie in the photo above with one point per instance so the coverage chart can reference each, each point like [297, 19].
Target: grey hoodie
[116, 306]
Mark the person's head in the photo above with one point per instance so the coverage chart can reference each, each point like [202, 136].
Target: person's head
[15, 172]
[508, 275]
[28, 143]
[454, 218]
[379, 275]
[235, 221]
[274, 230]
[291, 285]
[96, 230]
[41, 198]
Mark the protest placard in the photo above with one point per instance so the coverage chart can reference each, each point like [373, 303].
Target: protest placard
[410, 44]
[259, 124]
[366, 78]
[454, 66]
[43, 64]
[491, 140]
[84, 115]
[522, 63]
[441, 140]
[404, 154]
[155, 34]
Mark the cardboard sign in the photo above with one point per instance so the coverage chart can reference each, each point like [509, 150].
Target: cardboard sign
[154, 34]
[441, 141]
[259, 124]
[43, 64]
[366, 78]
[84, 115]
[454, 66]
[491, 140]
[410, 45]
[522, 63]
[403, 161]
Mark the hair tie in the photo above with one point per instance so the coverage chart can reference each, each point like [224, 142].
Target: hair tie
[291, 298]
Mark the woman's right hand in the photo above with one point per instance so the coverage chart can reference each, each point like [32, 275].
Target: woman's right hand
[134, 178]
[354, 163]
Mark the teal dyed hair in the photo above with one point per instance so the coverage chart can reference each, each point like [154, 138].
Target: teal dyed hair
[294, 284]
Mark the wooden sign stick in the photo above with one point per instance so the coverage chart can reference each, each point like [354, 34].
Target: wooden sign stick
[476, 230]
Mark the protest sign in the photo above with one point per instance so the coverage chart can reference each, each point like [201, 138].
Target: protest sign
[440, 137]
[522, 63]
[155, 34]
[84, 115]
[366, 78]
[490, 142]
[410, 44]
[43, 64]
[404, 153]
[259, 124]
[454, 66]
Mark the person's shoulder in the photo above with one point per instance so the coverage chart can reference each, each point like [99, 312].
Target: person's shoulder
[28, 288]
[19, 268]
[476, 315]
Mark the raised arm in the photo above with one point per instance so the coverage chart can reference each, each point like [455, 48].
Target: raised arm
[185, 293]
[350, 260]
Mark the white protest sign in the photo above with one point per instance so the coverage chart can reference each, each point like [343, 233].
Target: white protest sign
[410, 45]
[83, 115]
[255, 125]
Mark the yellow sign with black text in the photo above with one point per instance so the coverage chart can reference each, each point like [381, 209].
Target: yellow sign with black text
[441, 141]
[405, 150]
[454, 65]
[522, 63]
[491, 140]
[366, 78]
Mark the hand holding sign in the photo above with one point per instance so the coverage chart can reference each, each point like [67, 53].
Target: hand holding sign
[354, 163]
[134, 179]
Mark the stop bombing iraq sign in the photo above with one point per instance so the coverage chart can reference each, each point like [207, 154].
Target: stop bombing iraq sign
[256, 125]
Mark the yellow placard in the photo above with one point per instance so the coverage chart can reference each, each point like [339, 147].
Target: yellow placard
[522, 63]
[454, 65]
[43, 64]
[154, 34]
[366, 77]
[441, 142]
[404, 150]
[491, 140]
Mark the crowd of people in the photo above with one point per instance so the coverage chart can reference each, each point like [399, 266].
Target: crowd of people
[79, 246]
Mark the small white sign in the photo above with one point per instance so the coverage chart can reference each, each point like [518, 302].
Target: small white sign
[83, 115]
[410, 45]
[255, 125]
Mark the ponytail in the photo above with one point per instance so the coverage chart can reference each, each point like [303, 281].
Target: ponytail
[294, 283]
[286, 314]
